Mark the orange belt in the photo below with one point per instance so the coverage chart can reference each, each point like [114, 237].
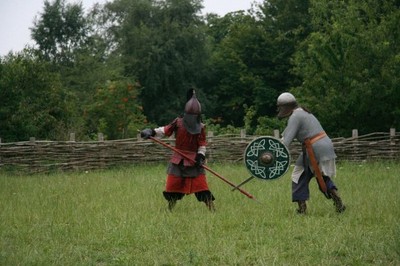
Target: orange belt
[308, 143]
[317, 137]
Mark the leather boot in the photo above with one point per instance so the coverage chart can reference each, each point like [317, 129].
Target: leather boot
[302, 207]
[337, 201]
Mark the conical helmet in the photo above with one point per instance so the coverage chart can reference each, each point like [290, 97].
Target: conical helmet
[192, 114]
[193, 106]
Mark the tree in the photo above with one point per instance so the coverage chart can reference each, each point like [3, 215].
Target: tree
[344, 64]
[59, 31]
[80, 51]
[286, 23]
[33, 103]
[252, 59]
[115, 110]
[237, 42]
[162, 43]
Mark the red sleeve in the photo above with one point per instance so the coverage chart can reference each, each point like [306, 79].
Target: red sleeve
[170, 128]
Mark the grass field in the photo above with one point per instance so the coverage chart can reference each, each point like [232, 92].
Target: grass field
[119, 217]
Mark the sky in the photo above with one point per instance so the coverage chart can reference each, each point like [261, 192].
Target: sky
[17, 16]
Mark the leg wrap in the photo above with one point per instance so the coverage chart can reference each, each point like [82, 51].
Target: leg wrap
[337, 201]
[173, 196]
[205, 196]
[302, 207]
[329, 185]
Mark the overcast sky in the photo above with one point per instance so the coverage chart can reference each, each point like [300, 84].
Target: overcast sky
[17, 16]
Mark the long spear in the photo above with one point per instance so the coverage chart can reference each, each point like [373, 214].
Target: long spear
[204, 166]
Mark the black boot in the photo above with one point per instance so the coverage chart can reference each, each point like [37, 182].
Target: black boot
[337, 201]
[302, 207]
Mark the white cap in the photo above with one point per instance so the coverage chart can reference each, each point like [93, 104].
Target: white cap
[286, 98]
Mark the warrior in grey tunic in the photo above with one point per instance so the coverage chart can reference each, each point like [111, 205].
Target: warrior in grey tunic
[302, 125]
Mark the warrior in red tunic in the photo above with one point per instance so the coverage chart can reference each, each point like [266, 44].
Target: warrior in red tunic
[184, 176]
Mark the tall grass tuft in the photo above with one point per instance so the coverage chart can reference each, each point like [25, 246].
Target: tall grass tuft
[119, 217]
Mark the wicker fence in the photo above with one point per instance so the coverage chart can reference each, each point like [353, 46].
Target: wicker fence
[43, 156]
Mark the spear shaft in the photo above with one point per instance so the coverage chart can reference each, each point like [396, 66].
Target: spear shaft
[204, 166]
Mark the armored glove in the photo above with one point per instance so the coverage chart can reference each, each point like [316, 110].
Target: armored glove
[200, 159]
[147, 133]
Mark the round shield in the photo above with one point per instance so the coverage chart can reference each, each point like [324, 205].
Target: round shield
[267, 158]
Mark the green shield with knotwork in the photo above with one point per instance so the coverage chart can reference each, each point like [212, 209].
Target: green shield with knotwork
[267, 158]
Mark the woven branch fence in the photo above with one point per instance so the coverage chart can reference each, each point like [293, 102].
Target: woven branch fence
[35, 156]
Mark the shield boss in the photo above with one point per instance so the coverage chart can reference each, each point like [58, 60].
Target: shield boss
[267, 158]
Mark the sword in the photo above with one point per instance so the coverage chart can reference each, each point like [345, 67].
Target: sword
[244, 182]
[204, 166]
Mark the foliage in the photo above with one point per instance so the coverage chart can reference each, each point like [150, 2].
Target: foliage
[119, 217]
[162, 44]
[266, 125]
[233, 79]
[59, 31]
[344, 64]
[80, 53]
[217, 129]
[286, 24]
[340, 58]
[252, 58]
[33, 102]
[116, 111]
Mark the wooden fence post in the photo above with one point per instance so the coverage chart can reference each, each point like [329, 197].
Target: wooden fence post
[354, 134]
[243, 135]
[210, 135]
[392, 136]
[100, 137]
[32, 163]
[71, 152]
[276, 133]
[72, 137]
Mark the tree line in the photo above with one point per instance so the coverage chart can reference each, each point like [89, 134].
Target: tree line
[127, 64]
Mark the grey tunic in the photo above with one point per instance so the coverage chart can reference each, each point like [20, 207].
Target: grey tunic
[302, 125]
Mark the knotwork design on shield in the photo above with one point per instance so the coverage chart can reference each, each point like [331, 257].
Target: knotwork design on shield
[267, 158]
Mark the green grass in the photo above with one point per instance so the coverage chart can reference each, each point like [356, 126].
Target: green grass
[119, 217]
